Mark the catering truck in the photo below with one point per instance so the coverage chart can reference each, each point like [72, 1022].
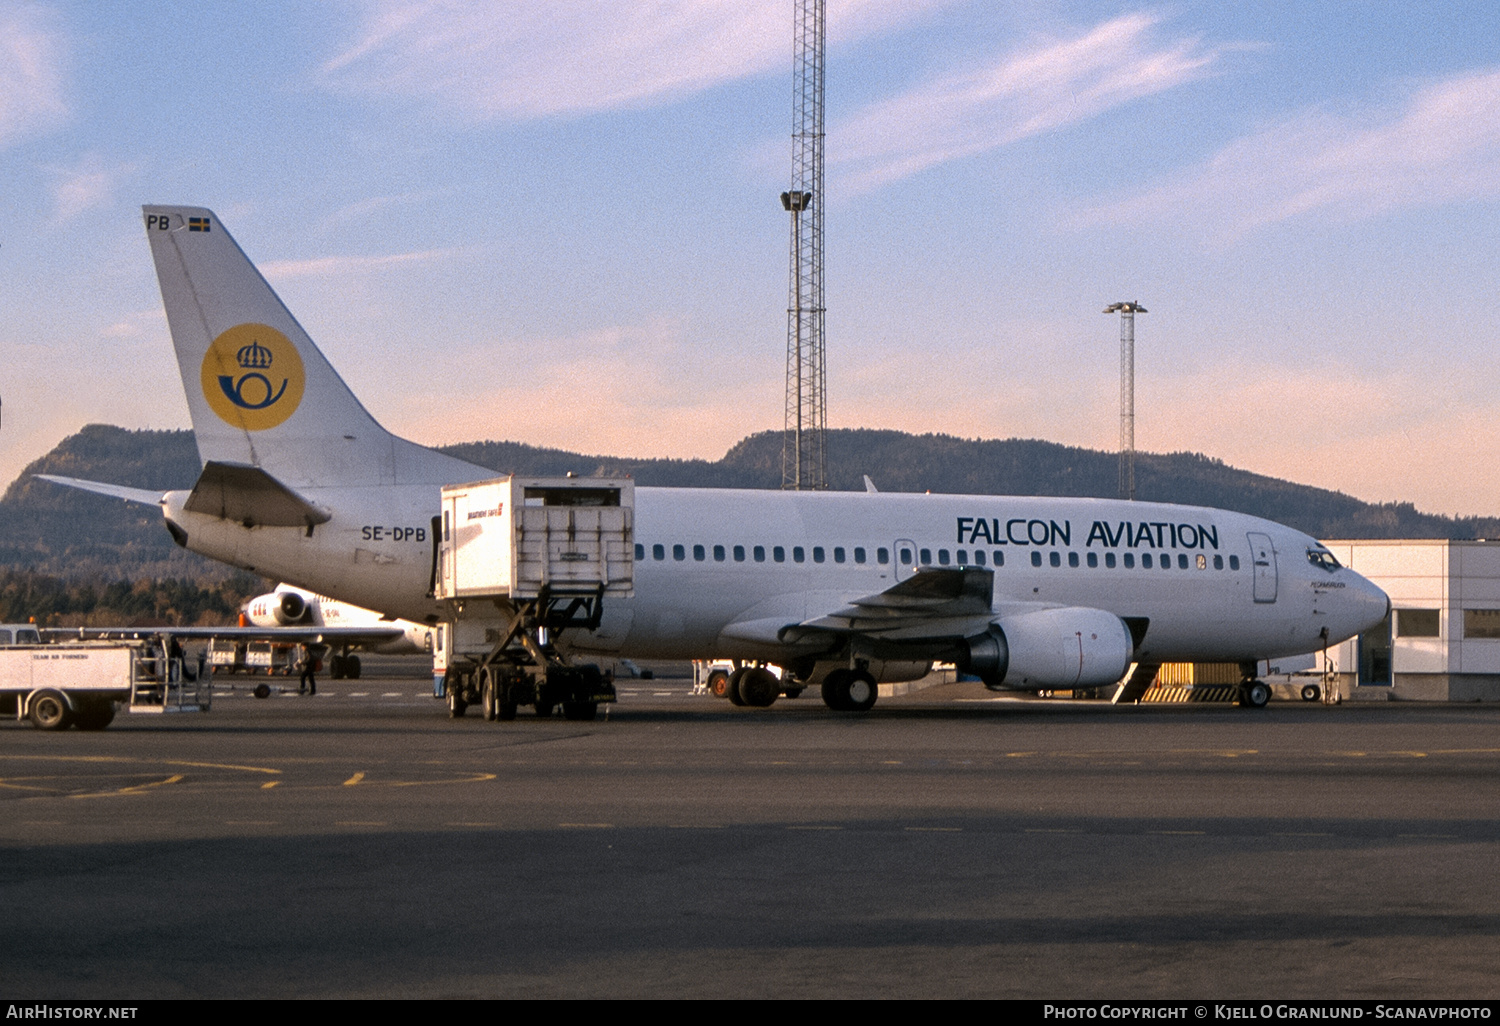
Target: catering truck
[519, 561]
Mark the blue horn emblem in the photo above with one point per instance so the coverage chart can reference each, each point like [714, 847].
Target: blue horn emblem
[254, 358]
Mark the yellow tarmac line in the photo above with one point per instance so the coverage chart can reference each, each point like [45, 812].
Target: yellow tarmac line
[134, 789]
[268, 786]
[355, 779]
[219, 765]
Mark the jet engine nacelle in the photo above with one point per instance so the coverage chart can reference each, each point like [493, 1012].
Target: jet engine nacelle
[1051, 648]
[278, 609]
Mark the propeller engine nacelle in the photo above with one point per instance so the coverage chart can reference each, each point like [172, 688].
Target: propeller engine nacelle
[278, 609]
[1051, 648]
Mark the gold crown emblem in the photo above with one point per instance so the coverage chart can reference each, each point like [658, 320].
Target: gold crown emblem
[254, 356]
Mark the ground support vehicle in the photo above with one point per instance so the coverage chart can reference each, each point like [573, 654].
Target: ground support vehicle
[519, 562]
[82, 683]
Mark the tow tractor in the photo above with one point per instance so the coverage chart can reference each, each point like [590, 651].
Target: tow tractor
[519, 562]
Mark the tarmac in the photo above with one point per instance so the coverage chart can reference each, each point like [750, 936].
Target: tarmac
[947, 844]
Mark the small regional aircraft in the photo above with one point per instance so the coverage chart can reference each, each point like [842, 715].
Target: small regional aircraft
[841, 589]
[288, 606]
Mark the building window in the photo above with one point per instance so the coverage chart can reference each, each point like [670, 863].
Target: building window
[1482, 624]
[1418, 623]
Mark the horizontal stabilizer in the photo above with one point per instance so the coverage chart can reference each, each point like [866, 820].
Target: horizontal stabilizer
[248, 495]
[144, 495]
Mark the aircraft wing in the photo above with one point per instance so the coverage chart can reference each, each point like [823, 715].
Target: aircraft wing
[289, 635]
[144, 495]
[933, 603]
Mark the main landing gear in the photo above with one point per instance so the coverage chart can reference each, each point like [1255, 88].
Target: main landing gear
[850, 690]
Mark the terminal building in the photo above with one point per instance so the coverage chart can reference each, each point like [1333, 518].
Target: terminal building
[1441, 642]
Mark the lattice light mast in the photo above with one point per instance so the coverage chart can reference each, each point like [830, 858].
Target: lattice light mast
[1127, 312]
[803, 458]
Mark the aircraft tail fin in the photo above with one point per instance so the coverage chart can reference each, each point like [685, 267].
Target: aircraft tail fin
[259, 392]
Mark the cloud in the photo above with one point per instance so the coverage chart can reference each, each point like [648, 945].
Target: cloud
[91, 184]
[333, 266]
[518, 60]
[1441, 146]
[31, 58]
[1040, 89]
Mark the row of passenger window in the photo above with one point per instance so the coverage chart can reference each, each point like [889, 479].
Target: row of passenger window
[960, 557]
[1162, 560]
[758, 553]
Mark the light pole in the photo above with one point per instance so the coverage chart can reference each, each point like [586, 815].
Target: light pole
[1127, 312]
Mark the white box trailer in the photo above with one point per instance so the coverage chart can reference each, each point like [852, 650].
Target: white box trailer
[80, 683]
[512, 537]
[519, 561]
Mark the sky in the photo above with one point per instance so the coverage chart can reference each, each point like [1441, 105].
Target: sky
[559, 223]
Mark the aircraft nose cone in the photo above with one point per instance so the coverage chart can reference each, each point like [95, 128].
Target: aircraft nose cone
[1369, 604]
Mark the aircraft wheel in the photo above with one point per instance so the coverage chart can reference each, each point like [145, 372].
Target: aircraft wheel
[862, 692]
[336, 667]
[487, 696]
[759, 687]
[718, 684]
[580, 710]
[94, 715]
[836, 690]
[732, 687]
[1255, 694]
[1311, 693]
[49, 711]
[351, 667]
[262, 690]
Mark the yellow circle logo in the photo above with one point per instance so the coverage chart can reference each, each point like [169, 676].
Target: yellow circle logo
[253, 377]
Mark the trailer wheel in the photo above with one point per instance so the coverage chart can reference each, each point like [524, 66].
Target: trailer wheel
[487, 696]
[759, 687]
[718, 684]
[49, 711]
[1311, 693]
[1255, 694]
[94, 715]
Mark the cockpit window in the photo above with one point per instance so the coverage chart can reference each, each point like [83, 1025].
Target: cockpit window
[1323, 558]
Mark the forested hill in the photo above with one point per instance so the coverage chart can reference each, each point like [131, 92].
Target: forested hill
[48, 529]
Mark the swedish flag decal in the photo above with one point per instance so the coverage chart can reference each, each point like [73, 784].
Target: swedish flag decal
[198, 224]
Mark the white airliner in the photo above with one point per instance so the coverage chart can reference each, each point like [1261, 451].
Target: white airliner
[288, 606]
[842, 589]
